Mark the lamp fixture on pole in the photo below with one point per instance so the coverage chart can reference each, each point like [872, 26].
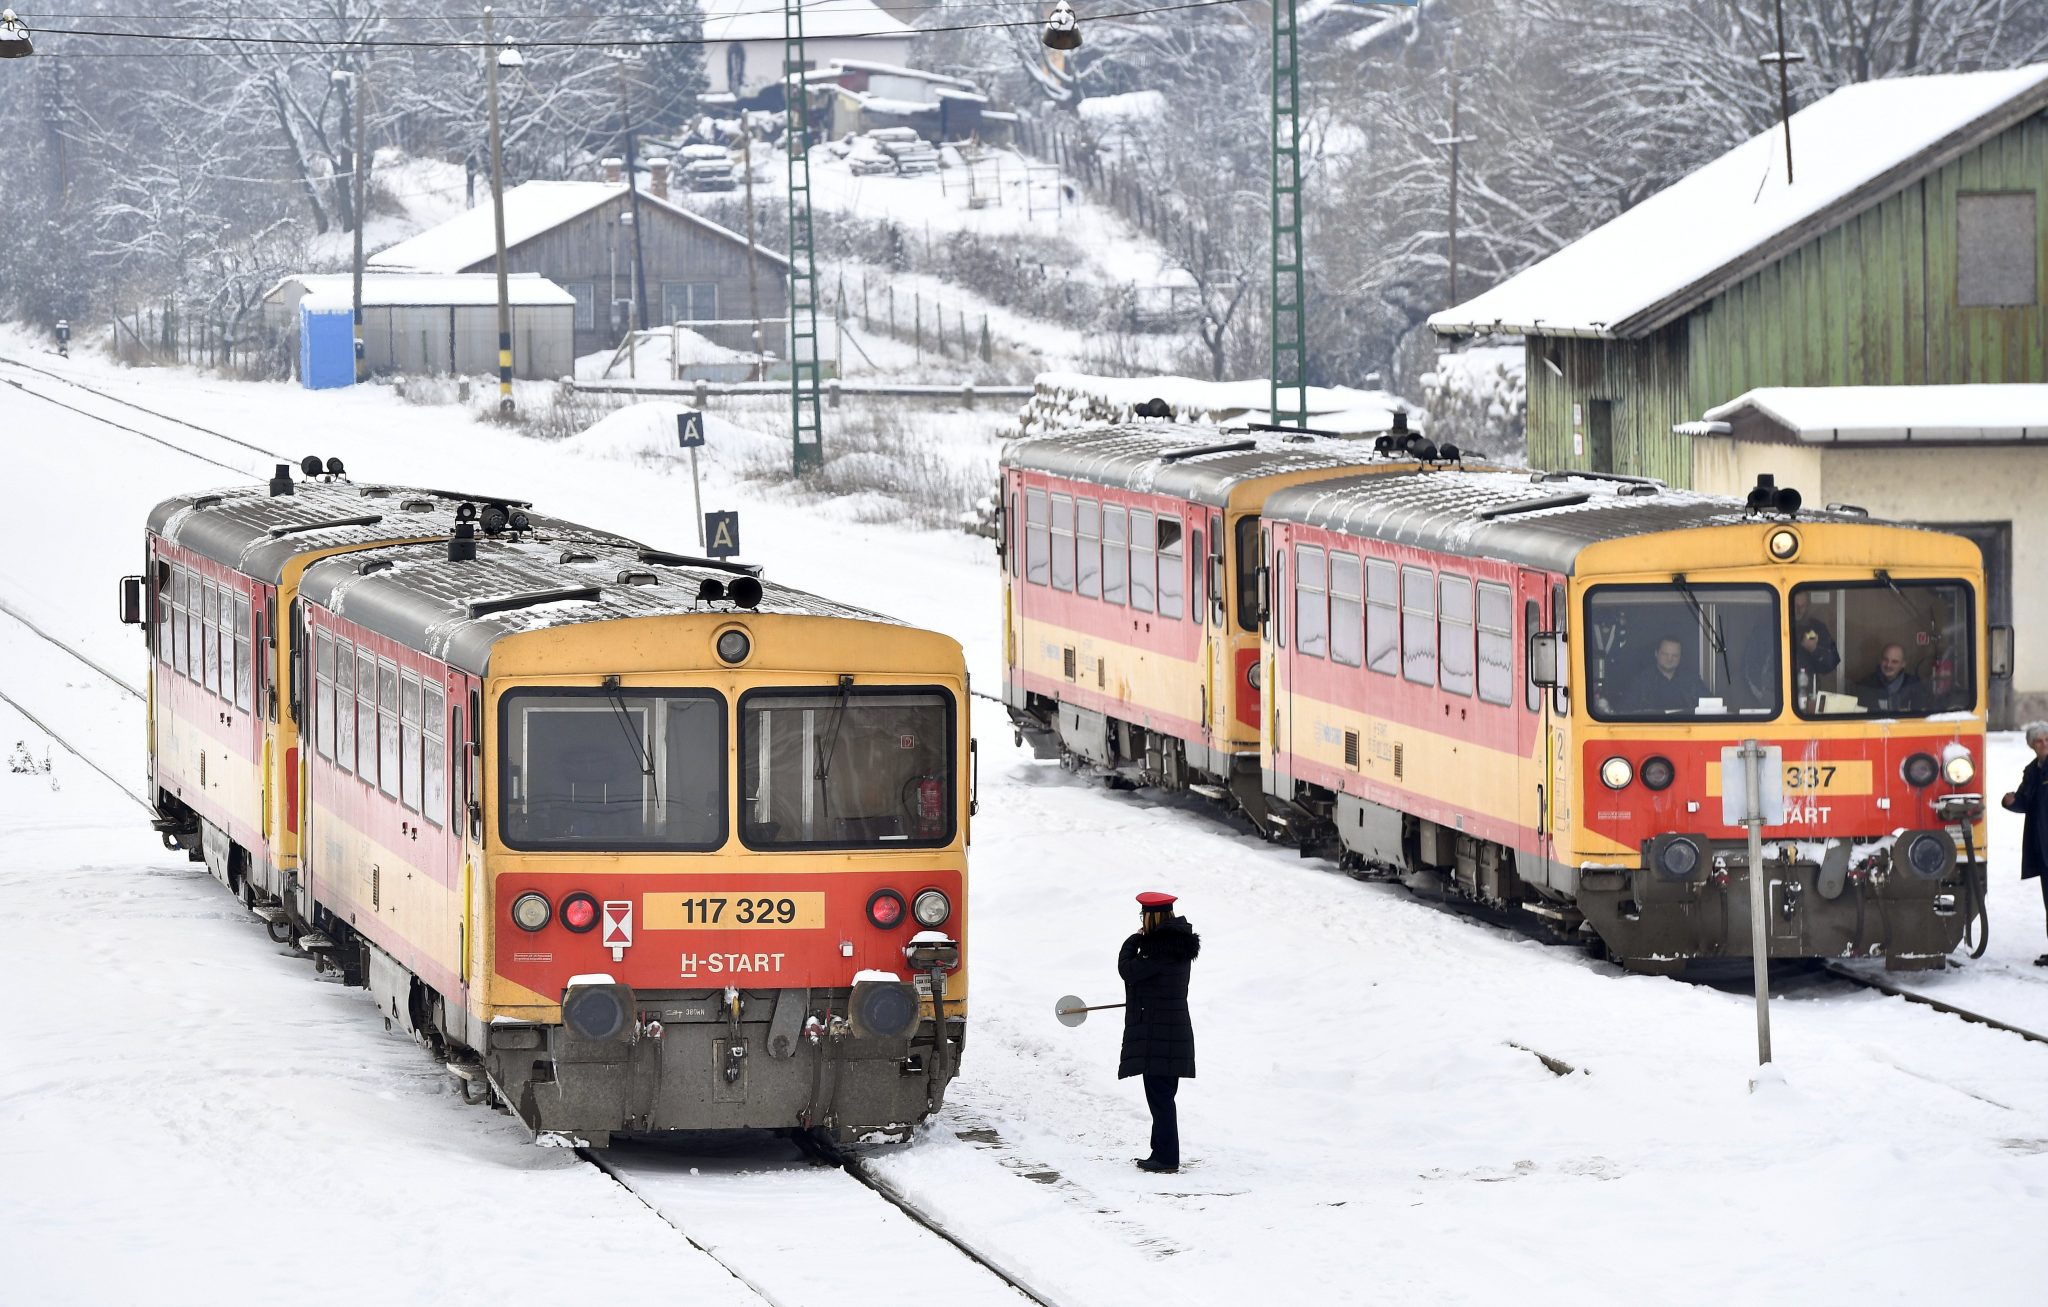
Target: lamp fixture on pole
[1062, 28]
[14, 37]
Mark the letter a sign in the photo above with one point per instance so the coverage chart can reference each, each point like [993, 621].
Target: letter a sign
[722, 534]
[690, 429]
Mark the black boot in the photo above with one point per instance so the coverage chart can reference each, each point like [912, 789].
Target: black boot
[1156, 1167]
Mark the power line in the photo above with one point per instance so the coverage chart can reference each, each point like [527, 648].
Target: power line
[366, 43]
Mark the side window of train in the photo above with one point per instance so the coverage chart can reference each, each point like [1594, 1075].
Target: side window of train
[209, 636]
[1088, 548]
[1213, 566]
[1172, 568]
[457, 791]
[1010, 537]
[295, 692]
[1277, 590]
[366, 716]
[1144, 560]
[1382, 617]
[409, 740]
[345, 705]
[245, 685]
[1496, 644]
[1037, 540]
[1454, 634]
[1063, 542]
[1418, 625]
[1116, 557]
[1311, 607]
[1197, 609]
[224, 647]
[1532, 622]
[387, 726]
[323, 695]
[434, 772]
[1345, 610]
[179, 590]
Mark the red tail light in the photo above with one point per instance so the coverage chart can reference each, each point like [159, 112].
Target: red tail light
[885, 908]
[579, 912]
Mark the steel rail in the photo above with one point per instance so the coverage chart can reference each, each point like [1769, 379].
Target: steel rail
[1978, 1018]
[73, 750]
[141, 408]
[13, 613]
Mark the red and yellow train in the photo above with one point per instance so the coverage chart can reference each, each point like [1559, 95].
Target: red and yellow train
[1519, 687]
[641, 842]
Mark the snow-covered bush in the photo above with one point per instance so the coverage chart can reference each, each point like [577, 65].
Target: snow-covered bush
[1478, 399]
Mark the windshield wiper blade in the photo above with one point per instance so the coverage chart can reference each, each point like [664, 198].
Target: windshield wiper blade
[1712, 629]
[645, 761]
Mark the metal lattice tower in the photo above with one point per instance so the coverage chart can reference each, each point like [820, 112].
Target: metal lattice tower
[1289, 374]
[807, 442]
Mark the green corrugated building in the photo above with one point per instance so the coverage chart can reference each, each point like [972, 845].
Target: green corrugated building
[1908, 248]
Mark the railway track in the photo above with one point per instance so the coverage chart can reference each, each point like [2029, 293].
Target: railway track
[1912, 996]
[111, 398]
[763, 1220]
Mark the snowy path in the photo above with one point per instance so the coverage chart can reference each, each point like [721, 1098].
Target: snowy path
[1363, 1129]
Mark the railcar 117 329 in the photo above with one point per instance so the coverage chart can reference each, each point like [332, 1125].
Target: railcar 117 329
[641, 842]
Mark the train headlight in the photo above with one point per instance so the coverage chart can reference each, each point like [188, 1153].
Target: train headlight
[734, 646]
[885, 908]
[1920, 770]
[931, 908]
[1928, 853]
[531, 912]
[1784, 545]
[598, 1008]
[1959, 767]
[1616, 773]
[1658, 773]
[579, 912]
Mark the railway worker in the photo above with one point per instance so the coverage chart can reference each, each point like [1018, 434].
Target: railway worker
[1891, 688]
[1665, 685]
[2031, 798]
[1159, 1036]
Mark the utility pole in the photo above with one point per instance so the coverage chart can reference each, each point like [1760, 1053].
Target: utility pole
[1454, 140]
[1288, 385]
[1783, 57]
[753, 262]
[491, 57]
[359, 108]
[633, 206]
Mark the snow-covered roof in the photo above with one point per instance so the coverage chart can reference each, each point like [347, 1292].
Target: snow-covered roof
[1831, 414]
[392, 289]
[530, 210]
[837, 66]
[1699, 236]
[761, 20]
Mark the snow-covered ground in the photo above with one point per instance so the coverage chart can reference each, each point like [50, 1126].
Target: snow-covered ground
[188, 1116]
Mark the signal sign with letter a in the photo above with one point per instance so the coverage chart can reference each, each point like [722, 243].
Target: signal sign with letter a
[689, 429]
[722, 531]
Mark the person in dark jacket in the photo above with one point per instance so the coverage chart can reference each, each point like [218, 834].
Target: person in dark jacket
[1159, 1037]
[2031, 798]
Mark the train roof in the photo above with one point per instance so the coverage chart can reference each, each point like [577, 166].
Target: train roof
[457, 610]
[1201, 463]
[1539, 520]
[257, 533]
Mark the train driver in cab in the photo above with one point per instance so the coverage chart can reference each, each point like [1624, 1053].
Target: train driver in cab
[1666, 684]
[1890, 687]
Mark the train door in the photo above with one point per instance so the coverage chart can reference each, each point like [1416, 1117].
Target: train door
[1536, 735]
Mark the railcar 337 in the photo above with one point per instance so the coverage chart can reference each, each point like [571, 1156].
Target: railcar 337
[641, 842]
[1517, 689]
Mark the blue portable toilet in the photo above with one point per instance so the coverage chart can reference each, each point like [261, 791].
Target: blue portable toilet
[327, 343]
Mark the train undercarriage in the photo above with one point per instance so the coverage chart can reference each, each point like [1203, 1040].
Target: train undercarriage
[1828, 899]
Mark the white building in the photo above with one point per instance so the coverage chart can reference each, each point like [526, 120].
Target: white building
[743, 40]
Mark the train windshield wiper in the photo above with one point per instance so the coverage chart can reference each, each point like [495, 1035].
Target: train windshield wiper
[824, 771]
[1712, 629]
[643, 760]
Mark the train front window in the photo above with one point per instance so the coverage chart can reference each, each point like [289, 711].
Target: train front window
[1682, 650]
[846, 768]
[1882, 648]
[591, 769]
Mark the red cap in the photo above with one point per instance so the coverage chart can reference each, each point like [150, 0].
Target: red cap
[1154, 899]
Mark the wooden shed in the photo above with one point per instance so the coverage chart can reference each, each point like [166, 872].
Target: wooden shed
[1910, 248]
[442, 323]
[579, 235]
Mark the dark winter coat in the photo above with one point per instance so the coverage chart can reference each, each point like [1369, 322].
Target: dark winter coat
[2031, 798]
[1159, 1037]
